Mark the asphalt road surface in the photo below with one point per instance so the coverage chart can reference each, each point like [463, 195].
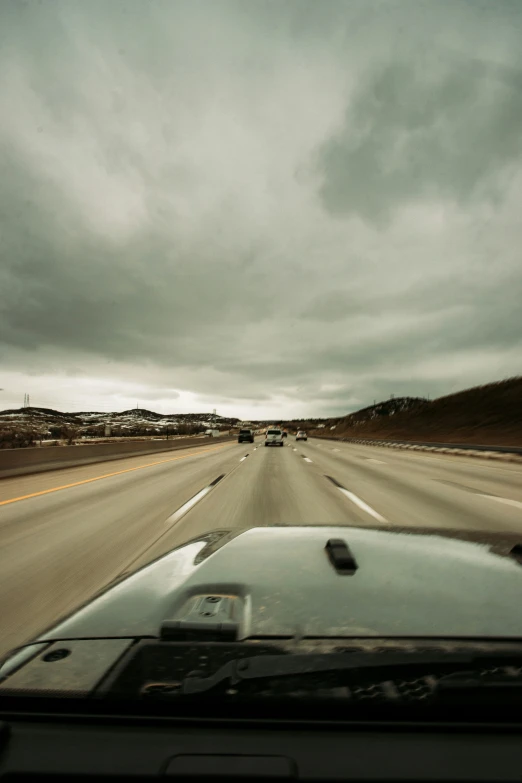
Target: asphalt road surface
[66, 534]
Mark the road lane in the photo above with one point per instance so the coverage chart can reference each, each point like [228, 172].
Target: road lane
[19, 487]
[271, 487]
[415, 489]
[57, 549]
[492, 475]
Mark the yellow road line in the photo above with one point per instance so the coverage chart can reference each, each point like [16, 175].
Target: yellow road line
[107, 475]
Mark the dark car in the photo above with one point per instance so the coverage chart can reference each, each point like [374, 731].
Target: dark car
[245, 436]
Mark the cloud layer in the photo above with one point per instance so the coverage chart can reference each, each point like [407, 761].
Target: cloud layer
[262, 207]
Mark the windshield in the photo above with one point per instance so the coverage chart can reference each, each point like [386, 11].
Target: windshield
[219, 215]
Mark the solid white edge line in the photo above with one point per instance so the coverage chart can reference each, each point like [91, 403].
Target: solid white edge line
[485, 466]
[187, 506]
[377, 461]
[364, 506]
[506, 501]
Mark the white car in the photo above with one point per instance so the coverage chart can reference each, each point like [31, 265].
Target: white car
[301, 435]
[274, 437]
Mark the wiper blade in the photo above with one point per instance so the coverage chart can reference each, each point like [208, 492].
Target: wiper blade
[269, 667]
[465, 685]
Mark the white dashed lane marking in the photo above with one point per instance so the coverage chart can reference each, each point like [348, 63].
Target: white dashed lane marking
[357, 501]
[506, 501]
[364, 506]
[176, 516]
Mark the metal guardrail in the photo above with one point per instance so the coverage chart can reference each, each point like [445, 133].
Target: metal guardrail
[466, 446]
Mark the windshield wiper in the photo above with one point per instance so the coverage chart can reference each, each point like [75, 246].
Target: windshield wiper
[269, 667]
[466, 685]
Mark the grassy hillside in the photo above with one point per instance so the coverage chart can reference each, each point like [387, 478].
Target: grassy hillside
[485, 415]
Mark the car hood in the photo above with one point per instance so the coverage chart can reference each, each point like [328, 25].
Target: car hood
[280, 582]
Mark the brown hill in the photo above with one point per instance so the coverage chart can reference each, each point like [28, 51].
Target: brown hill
[484, 415]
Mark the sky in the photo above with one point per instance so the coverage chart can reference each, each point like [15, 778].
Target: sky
[267, 208]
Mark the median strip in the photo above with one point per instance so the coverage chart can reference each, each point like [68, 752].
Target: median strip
[108, 475]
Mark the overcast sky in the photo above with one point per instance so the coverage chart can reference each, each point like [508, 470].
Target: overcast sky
[270, 208]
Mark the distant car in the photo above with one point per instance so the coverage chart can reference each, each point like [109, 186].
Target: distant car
[245, 436]
[285, 434]
[301, 435]
[274, 437]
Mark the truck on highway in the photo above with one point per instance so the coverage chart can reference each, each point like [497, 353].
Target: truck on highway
[212, 433]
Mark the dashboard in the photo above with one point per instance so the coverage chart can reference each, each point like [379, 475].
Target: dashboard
[98, 747]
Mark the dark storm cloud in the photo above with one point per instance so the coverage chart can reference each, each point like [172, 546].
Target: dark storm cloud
[266, 204]
[422, 130]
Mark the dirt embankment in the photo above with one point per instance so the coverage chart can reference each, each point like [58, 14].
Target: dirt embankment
[484, 415]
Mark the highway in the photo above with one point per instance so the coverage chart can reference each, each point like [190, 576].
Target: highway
[66, 534]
